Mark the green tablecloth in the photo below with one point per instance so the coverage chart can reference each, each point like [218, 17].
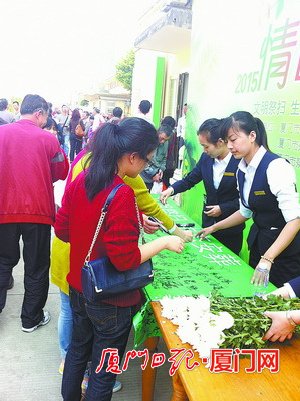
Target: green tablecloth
[202, 267]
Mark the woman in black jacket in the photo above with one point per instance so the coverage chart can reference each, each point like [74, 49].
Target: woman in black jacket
[75, 140]
[217, 169]
[268, 195]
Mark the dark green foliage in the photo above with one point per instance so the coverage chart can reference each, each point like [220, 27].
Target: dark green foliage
[124, 70]
[84, 103]
[250, 324]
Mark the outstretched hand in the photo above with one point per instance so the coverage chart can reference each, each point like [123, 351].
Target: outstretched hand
[165, 195]
[280, 329]
[187, 235]
[261, 273]
[205, 232]
[150, 227]
[174, 243]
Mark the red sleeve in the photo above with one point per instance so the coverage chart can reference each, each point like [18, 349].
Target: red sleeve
[61, 226]
[122, 231]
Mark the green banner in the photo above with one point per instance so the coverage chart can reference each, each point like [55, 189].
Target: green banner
[202, 267]
[245, 56]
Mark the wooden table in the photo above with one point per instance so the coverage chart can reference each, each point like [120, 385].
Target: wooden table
[200, 384]
[202, 267]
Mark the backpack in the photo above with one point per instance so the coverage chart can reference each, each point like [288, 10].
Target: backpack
[79, 131]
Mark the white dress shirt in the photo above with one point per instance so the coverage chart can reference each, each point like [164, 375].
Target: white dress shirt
[181, 126]
[282, 181]
[145, 117]
[219, 168]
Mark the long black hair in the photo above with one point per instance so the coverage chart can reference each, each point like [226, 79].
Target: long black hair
[211, 129]
[112, 142]
[51, 123]
[246, 122]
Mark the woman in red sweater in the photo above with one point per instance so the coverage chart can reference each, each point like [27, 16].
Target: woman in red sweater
[119, 150]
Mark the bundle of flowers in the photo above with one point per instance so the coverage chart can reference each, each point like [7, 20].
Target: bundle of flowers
[217, 321]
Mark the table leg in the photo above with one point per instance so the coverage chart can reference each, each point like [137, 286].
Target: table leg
[179, 393]
[149, 374]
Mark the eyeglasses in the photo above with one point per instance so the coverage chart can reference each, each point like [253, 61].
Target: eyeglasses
[147, 161]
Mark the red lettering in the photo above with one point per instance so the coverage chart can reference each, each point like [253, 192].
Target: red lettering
[158, 359]
[268, 359]
[221, 360]
[252, 353]
[174, 361]
[112, 361]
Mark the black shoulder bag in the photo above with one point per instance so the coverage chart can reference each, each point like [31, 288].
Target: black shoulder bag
[100, 279]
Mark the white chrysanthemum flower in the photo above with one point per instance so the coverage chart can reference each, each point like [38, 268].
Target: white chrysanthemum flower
[169, 308]
[202, 349]
[196, 325]
[186, 332]
[204, 303]
[227, 320]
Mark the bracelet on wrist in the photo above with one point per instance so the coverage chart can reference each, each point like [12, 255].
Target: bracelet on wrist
[290, 319]
[267, 259]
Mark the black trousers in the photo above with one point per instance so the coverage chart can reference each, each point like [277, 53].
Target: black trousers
[233, 242]
[75, 146]
[36, 255]
[166, 177]
[149, 185]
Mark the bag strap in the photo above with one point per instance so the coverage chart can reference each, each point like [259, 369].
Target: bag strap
[102, 216]
[141, 228]
[65, 123]
[101, 219]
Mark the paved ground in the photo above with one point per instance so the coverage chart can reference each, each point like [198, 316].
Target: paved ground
[29, 361]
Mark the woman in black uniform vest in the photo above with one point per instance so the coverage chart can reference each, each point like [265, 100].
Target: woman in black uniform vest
[217, 169]
[267, 194]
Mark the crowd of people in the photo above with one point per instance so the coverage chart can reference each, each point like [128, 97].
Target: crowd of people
[75, 128]
[243, 179]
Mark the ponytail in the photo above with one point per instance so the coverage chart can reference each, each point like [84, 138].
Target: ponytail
[261, 134]
[103, 160]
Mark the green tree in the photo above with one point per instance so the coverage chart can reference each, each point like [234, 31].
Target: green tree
[84, 103]
[124, 70]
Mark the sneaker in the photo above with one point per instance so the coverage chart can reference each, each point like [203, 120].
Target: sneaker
[117, 386]
[46, 319]
[85, 381]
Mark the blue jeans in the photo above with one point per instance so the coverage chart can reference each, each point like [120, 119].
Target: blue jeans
[65, 324]
[96, 326]
[66, 145]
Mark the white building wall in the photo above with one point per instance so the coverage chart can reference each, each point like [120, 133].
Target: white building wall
[143, 80]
